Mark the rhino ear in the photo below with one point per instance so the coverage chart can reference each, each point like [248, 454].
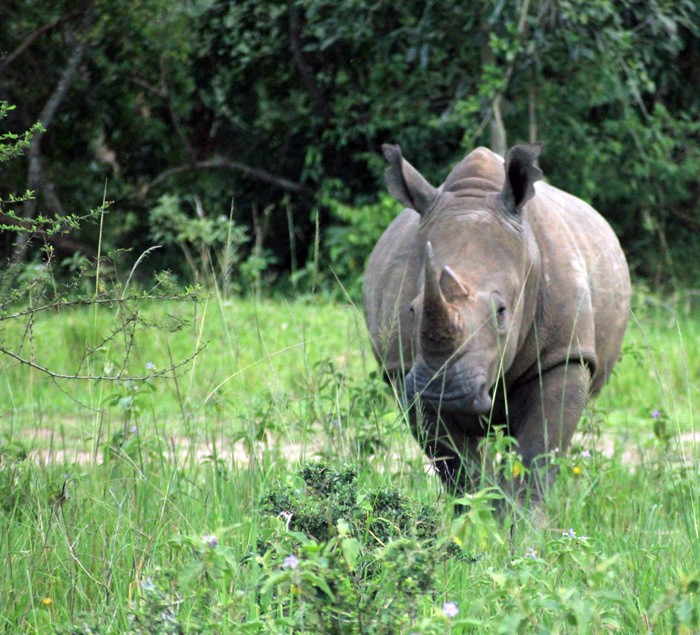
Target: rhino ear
[521, 174]
[405, 183]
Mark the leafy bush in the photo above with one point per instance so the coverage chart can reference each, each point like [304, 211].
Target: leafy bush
[211, 245]
[352, 235]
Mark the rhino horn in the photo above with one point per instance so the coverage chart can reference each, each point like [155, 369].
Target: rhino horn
[440, 322]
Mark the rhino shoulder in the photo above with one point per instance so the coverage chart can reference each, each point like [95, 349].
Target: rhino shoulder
[389, 285]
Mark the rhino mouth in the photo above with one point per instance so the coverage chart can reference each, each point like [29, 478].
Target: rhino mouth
[448, 392]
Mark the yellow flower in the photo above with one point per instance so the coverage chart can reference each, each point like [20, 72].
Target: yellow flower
[516, 470]
[47, 601]
[577, 470]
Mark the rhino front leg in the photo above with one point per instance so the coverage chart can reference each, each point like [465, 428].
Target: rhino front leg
[454, 455]
[544, 414]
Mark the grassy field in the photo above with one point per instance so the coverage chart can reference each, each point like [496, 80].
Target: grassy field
[269, 484]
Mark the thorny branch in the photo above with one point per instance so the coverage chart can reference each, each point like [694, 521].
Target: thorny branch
[114, 378]
[126, 328]
[65, 304]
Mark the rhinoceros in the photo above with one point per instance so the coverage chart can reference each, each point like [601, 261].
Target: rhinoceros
[495, 299]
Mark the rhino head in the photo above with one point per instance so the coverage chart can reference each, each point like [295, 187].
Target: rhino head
[480, 273]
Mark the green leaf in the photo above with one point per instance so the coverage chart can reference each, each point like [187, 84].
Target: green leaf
[351, 551]
[318, 582]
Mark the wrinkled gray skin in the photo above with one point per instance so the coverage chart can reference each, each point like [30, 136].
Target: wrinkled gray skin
[494, 299]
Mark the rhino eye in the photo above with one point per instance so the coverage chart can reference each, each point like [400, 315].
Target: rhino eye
[501, 313]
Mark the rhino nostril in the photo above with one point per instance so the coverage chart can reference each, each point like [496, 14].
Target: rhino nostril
[482, 402]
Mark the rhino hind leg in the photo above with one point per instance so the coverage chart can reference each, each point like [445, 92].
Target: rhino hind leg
[544, 414]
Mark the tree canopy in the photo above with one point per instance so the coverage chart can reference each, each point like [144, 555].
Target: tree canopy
[273, 113]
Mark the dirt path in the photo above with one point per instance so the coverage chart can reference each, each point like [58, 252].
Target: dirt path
[687, 446]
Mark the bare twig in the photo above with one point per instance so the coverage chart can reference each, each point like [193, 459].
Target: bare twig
[686, 218]
[149, 87]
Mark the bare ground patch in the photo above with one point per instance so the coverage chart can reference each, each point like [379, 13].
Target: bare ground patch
[684, 447]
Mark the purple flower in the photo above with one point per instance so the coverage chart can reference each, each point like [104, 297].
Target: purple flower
[211, 540]
[531, 553]
[450, 609]
[655, 414]
[572, 534]
[134, 430]
[150, 365]
[290, 562]
[586, 454]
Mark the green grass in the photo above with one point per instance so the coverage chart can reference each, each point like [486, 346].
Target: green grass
[102, 526]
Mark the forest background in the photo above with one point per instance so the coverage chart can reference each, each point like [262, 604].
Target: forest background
[258, 125]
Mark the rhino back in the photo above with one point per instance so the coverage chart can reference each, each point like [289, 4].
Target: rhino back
[585, 280]
[390, 283]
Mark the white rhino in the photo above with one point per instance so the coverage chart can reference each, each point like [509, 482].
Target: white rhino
[494, 299]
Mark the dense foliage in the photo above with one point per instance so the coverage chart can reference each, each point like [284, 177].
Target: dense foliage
[272, 114]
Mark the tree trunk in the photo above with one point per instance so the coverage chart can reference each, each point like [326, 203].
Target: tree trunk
[46, 118]
[498, 138]
[34, 168]
[532, 107]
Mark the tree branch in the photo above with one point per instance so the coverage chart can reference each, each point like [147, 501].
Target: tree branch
[493, 116]
[221, 163]
[46, 118]
[27, 41]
